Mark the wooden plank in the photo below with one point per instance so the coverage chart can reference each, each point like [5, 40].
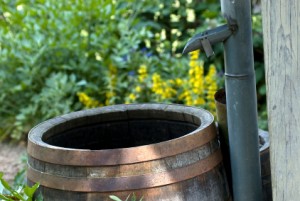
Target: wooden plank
[281, 19]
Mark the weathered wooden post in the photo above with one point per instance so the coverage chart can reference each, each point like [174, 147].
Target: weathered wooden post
[281, 21]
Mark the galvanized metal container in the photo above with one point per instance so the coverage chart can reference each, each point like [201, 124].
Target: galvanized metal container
[158, 151]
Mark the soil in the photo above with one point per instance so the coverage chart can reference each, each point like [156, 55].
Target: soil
[10, 159]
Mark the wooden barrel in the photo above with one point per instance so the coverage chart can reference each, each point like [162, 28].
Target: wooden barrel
[158, 151]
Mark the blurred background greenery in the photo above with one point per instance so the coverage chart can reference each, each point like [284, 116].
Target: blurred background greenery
[62, 56]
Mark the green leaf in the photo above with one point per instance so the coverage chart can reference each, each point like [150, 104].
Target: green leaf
[5, 198]
[9, 188]
[115, 198]
[81, 83]
[5, 184]
[23, 193]
[1, 186]
[29, 191]
[133, 198]
[262, 90]
[259, 74]
[210, 14]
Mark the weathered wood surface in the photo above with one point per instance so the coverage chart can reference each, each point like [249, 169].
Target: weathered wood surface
[281, 20]
[161, 158]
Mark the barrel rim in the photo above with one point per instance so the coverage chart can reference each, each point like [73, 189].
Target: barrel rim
[38, 149]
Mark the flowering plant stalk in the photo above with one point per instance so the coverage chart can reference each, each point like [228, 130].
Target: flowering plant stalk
[194, 88]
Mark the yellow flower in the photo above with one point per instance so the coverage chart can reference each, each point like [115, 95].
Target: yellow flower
[132, 97]
[82, 97]
[109, 94]
[87, 101]
[178, 82]
[191, 71]
[163, 89]
[194, 55]
[199, 89]
[142, 69]
[142, 73]
[199, 101]
[155, 77]
[211, 86]
[138, 89]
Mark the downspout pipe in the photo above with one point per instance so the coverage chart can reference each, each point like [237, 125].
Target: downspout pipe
[241, 99]
[241, 102]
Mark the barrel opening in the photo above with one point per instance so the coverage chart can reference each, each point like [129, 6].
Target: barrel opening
[122, 132]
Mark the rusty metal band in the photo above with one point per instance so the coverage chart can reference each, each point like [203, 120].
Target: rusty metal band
[131, 155]
[125, 183]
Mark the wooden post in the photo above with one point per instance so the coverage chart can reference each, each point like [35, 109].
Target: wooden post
[281, 21]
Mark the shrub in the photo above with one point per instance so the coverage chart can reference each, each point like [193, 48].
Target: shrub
[50, 50]
[56, 55]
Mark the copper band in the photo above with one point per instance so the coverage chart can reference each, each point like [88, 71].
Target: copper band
[125, 183]
[84, 157]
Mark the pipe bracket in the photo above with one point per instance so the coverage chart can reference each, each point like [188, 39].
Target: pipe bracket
[206, 39]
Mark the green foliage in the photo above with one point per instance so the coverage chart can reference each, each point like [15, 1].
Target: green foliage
[23, 193]
[51, 50]
[129, 198]
[260, 71]
[263, 118]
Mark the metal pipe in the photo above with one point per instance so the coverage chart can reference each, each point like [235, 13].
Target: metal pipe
[241, 102]
[240, 95]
